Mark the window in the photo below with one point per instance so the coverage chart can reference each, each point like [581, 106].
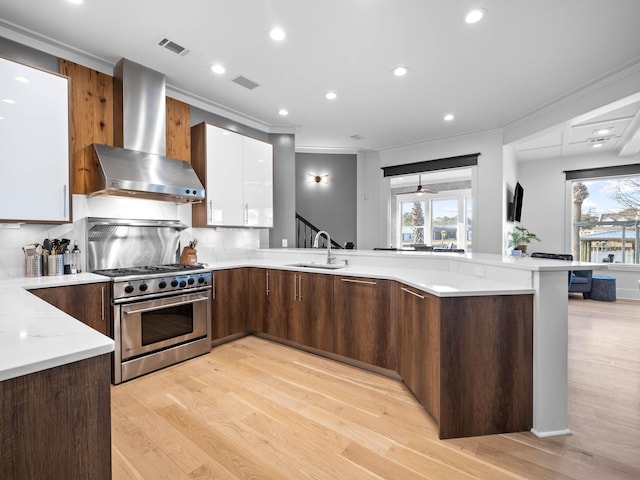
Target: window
[605, 215]
[440, 218]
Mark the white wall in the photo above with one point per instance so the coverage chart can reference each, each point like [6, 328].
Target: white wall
[489, 207]
[546, 208]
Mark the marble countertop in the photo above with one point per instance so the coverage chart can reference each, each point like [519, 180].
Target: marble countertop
[35, 336]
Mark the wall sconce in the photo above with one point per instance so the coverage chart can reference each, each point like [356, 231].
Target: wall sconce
[312, 178]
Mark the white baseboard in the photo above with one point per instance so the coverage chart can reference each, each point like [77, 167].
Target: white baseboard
[553, 433]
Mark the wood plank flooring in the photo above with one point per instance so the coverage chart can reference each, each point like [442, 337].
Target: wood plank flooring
[253, 409]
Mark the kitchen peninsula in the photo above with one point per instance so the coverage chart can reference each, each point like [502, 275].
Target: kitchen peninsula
[453, 283]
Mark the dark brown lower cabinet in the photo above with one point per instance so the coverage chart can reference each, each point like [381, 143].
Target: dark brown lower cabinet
[362, 320]
[468, 360]
[56, 423]
[89, 303]
[295, 306]
[230, 307]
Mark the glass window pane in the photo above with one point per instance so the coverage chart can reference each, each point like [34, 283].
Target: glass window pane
[604, 220]
[444, 223]
[412, 223]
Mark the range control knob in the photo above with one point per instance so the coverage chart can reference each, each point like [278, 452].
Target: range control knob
[183, 283]
[201, 280]
[128, 289]
[191, 281]
[174, 283]
[162, 284]
[143, 287]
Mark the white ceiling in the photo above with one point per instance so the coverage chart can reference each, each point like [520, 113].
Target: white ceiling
[523, 56]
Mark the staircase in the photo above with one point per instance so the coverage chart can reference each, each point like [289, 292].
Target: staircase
[306, 233]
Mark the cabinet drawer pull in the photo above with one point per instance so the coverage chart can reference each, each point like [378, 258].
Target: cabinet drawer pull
[412, 293]
[210, 211]
[299, 288]
[213, 286]
[65, 199]
[365, 282]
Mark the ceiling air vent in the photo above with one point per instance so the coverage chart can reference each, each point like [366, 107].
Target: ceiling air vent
[245, 82]
[173, 46]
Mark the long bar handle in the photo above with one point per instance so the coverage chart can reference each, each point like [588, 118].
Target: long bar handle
[160, 307]
[210, 211]
[365, 282]
[65, 202]
[268, 282]
[213, 286]
[295, 286]
[300, 288]
[102, 302]
[412, 293]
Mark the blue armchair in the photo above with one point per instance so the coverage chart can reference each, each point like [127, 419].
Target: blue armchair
[579, 280]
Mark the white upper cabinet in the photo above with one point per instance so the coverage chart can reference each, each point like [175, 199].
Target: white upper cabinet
[238, 175]
[34, 145]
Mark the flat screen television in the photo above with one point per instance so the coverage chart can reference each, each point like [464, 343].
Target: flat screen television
[516, 206]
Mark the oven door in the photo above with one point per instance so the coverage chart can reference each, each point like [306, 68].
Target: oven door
[151, 325]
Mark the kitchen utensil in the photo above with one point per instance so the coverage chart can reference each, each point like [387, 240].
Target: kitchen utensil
[47, 244]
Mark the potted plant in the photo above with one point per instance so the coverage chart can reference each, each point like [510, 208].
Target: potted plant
[521, 237]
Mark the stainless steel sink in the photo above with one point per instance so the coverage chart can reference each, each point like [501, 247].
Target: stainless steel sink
[326, 266]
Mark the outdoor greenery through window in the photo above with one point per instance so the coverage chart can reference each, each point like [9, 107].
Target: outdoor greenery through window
[605, 220]
[441, 223]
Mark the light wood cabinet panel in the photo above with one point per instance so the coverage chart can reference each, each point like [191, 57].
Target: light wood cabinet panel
[230, 305]
[89, 303]
[362, 320]
[178, 130]
[91, 121]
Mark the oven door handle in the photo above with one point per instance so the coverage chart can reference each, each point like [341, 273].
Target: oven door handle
[160, 307]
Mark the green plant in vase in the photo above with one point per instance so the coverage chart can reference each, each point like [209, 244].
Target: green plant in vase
[521, 237]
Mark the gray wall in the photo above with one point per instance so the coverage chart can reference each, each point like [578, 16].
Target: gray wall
[29, 56]
[329, 207]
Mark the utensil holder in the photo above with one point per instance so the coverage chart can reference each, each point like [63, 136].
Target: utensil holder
[56, 265]
[33, 266]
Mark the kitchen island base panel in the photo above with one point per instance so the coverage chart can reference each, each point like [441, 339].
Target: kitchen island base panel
[56, 423]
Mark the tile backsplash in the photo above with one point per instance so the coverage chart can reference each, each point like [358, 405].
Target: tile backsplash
[213, 244]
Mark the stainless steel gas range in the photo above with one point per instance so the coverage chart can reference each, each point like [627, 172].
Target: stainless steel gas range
[160, 311]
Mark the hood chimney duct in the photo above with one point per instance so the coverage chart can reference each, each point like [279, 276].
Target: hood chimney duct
[139, 108]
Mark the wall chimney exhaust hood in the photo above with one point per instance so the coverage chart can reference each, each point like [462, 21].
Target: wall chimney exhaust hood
[137, 166]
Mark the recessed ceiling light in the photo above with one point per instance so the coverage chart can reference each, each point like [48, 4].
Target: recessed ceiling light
[76, 2]
[449, 117]
[283, 111]
[475, 15]
[400, 71]
[8, 100]
[597, 145]
[22, 79]
[602, 131]
[218, 68]
[331, 96]
[277, 34]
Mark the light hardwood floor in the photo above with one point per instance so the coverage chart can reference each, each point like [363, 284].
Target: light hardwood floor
[253, 409]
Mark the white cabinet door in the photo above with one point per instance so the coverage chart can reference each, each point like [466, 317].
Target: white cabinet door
[239, 180]
[34, 140]
[258, 183]
[224, 178]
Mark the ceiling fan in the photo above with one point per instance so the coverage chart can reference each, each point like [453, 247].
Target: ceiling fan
[421, 190]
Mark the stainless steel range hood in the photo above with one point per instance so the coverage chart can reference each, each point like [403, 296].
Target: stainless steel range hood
[137, 166]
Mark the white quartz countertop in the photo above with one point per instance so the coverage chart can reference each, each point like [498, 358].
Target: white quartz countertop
[35, 336]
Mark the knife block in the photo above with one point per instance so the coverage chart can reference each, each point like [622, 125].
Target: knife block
[189, 256]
